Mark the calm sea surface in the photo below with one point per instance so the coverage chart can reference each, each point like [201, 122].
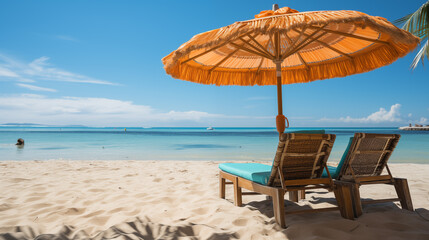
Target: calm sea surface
[44, 143]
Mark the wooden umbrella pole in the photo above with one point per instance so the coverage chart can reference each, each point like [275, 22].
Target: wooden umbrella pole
[280, 119]
[279, 88]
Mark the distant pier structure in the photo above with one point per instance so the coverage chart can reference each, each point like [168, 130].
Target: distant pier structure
[416, 127]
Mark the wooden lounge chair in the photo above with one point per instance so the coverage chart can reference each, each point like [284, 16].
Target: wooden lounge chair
[363, 163]
[298, 165]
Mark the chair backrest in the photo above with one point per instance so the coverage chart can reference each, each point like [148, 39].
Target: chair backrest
[368, 155]
[300, 156]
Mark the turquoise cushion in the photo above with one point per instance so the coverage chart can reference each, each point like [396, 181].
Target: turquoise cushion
[255, 172]
[332, 171]
[335, 171]
[321, 131]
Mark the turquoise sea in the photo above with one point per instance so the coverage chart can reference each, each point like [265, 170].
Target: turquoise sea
[84, 143]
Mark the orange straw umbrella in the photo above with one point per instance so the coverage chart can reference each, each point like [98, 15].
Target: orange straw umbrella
[284, 46]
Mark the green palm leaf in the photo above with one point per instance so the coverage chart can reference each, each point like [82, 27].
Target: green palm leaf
[418, 24]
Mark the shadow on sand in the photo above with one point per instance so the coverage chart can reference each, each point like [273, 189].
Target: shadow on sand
[137, 229]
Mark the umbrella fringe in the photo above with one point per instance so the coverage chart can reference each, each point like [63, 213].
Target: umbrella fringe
[383, 55]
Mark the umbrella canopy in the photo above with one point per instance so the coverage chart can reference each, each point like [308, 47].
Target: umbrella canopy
[284, 46]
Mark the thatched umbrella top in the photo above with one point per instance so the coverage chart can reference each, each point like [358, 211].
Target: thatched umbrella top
[308, 45]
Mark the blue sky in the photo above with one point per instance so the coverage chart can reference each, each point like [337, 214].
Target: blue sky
[98, 63]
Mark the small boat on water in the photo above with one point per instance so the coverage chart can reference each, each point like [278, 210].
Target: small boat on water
[209, 128]
[416, 127]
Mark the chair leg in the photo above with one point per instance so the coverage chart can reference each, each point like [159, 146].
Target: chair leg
[237, 193]
[302, 194]
[221, 186]
[401, 186]
[357, 204]
[295, 196]
[343, 195]
[279, 207]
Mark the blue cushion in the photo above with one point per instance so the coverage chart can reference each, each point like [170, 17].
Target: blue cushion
[335, 171]
[332, 171]
[255, 172]
[320, 131]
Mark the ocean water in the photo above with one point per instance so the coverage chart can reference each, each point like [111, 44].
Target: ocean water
[72, 143]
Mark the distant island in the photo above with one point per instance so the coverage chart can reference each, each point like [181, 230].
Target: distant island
[21, 124]
[36, 125]
[416, 127]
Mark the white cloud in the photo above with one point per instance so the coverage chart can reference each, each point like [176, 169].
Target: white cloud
[188, 115]
[423, 120]
[93, 111]
[36, 88]
[40, 69]
[382, 115]
[88, 111]
[410, 114]
[4, 72]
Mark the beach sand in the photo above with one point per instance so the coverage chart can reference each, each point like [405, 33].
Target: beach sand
[179, 200]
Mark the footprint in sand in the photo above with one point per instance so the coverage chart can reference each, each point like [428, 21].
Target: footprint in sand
[131, 175]
[96, 190]
[17, 180]
[240, 222]
[157, 180]
[200, 211]
[166, 200]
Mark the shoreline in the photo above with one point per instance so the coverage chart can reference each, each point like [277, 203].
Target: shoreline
[85, 198]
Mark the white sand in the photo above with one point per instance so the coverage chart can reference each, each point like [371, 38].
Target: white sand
[165, 200]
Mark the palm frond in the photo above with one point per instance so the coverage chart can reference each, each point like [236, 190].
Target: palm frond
[418, 24]
[424, 51]
[417, 20]
[421, 33]
[402, 19]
